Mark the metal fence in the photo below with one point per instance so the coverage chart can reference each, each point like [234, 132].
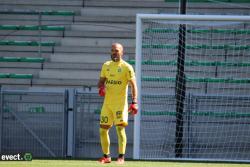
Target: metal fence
[66, 123]
[33, 122]
[214, 128]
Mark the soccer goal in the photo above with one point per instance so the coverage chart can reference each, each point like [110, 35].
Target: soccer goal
[193, 76]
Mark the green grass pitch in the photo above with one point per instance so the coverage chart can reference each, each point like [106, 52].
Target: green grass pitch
[93, 163]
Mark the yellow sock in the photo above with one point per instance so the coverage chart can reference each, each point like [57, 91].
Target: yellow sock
[122, 139]
[105, 141]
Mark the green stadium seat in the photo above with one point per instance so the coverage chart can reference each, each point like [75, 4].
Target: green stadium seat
[16, 76]
[32, 59]
[192, 63]
[31, 27]
[9, 59]
[22, 59]
[33, 12]
[53, 28]
[167, 46]
[4, 75]
[26, 43]
[21, 76]
[199, 80]
[59, 13]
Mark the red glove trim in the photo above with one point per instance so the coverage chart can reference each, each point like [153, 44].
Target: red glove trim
[102, 91]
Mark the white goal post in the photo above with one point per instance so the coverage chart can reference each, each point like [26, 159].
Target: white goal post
[193, 77]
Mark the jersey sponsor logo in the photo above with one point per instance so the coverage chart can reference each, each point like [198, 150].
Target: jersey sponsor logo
[114, 82]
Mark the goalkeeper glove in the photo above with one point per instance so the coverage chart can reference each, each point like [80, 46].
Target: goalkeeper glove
[102, 91]
[133, 108]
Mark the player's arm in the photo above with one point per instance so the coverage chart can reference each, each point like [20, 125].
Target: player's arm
[133, 90]
[133, 108]
[101, 82]
[101, 86]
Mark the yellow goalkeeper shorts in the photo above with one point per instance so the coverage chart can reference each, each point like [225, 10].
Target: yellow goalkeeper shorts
[117, 115]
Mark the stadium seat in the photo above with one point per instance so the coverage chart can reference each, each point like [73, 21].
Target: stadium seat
[26, 43]
[86, 35]
[36, 12]
[16, 76]
[31, 27]
[22, 59]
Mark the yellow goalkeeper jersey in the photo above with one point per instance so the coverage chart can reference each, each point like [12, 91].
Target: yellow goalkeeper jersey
[118, 75]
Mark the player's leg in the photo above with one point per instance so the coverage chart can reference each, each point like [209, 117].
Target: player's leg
[122, 142]
[121, 121]
[106, 121]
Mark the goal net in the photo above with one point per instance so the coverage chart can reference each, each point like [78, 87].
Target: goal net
[193, 76]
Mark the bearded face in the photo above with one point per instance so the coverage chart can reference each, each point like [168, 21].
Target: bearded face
[116, 52]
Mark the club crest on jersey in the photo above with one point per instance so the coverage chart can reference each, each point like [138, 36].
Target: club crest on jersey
[118, 114]
[119, 70]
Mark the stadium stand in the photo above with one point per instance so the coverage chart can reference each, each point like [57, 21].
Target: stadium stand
[79, 34]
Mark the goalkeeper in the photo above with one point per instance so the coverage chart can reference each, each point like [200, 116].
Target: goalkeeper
[115, 77]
